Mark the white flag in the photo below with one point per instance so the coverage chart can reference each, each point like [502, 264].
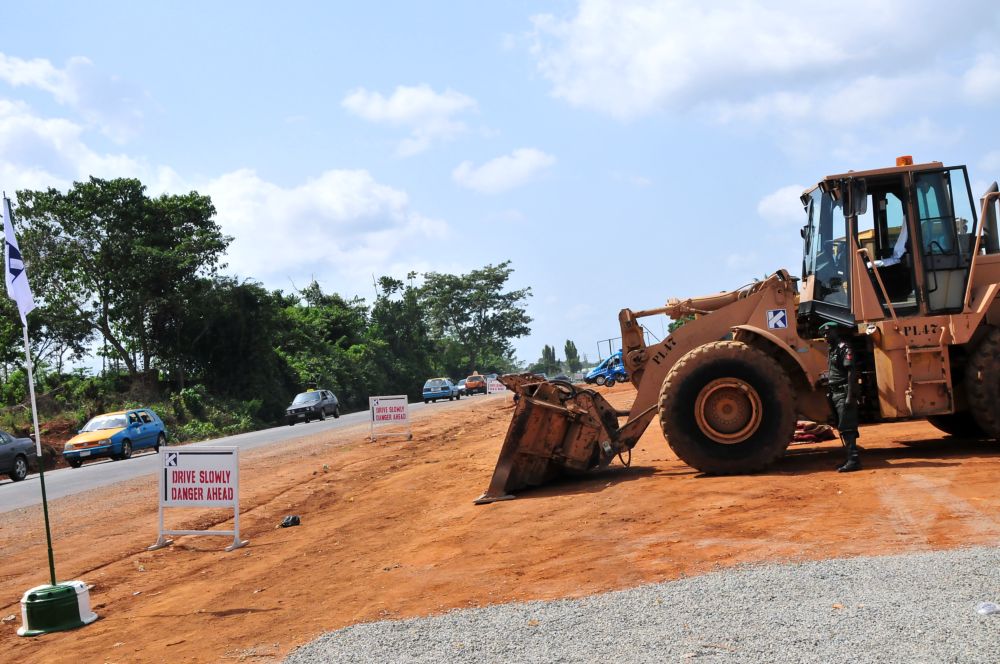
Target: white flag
[17, 278]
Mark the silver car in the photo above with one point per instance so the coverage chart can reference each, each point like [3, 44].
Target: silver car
[17, 456]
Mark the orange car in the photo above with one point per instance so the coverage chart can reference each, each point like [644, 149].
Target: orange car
[475, 383]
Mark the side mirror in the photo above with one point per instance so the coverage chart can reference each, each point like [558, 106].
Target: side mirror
[859, 196]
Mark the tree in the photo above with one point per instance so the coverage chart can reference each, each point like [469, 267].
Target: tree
[472, 317]
[674, 324]
[405, 352]
[548, 364]
[124, 263]
[572, 357]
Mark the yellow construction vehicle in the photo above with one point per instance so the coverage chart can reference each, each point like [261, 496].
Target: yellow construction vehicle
[897, 253]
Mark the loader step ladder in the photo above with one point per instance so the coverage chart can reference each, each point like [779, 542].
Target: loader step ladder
[929, 391]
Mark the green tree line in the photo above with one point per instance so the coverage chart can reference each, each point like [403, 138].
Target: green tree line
[139, 279]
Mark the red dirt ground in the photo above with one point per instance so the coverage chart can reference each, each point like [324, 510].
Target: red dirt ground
[389, 531]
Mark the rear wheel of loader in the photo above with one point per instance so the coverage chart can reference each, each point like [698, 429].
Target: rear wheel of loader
[960, 425]
[982, 383]
[727, 408]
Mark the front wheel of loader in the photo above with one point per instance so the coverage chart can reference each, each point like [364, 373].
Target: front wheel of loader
[727, 408]
[982, 383]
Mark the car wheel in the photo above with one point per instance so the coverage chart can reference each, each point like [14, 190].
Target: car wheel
[20, 470]
[74, 463]
[336, 412]
[161, 440]
[426, 401]
[291, 423]
[126, 450]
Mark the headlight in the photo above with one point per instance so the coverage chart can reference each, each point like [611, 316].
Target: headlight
[68, 446]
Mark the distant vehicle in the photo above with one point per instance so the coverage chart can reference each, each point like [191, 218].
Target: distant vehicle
[608, 372]
[440, 388]
[562, 377]
[17, 456]
[475, 383]
[116, 435]
[312, 405]
[460, 385]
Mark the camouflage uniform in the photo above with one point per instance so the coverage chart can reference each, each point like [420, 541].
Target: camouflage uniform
[843, 387]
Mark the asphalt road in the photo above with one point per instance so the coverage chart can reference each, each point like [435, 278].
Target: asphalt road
[68, 481]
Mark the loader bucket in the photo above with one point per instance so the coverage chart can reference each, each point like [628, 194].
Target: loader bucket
[556, 429]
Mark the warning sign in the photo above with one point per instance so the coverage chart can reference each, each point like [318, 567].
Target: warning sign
[200, 478]
[390, 411]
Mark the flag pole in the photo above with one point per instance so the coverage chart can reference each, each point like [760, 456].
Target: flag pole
[44, 609]
[38, 452]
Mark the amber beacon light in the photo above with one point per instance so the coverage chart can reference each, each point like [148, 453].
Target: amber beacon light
[905, 160]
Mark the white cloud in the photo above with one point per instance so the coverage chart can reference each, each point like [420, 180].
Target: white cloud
[503, 173]
[430, 116]
[339, 227]
[783, 207]
[982, 81]
[757, 60]
[108, 102]
[40, 152]
[341, 224]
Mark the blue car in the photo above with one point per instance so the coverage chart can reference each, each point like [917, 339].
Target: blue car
[608, 372]
[440, 388]
[116, 435]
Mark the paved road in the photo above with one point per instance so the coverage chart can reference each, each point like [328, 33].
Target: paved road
[68, 481]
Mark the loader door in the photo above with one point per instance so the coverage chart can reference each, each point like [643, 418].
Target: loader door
[883, 230]
[825, 265]
[946, 223]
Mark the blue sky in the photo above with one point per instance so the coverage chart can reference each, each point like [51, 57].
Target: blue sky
[617, 152]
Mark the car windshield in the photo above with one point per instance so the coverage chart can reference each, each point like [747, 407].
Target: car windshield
[437, 382]
[106, 422]
[306, 397]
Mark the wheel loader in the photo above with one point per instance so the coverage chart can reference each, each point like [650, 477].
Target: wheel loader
[899, 254]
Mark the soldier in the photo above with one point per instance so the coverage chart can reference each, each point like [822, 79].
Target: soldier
[843, 388]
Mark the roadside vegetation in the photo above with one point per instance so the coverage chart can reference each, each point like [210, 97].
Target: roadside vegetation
[134, 284]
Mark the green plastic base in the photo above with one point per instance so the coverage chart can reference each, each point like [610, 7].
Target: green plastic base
[52, 609]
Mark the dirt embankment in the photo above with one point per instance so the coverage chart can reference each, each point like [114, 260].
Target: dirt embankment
[389, 531]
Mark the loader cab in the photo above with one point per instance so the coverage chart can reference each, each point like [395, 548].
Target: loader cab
[895, 240]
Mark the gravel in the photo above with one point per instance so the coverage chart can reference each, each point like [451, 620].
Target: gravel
[907, 608]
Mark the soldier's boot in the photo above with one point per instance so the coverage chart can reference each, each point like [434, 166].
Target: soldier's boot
[853, 460]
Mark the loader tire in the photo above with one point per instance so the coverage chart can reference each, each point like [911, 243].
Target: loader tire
[727, 408]
[960, 425]
[982, 383]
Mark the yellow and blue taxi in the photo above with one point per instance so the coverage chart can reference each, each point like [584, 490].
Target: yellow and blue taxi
[116, 435]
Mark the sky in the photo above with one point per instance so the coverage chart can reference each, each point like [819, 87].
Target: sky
[617, 152]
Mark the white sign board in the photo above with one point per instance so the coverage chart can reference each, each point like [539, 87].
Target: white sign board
[200, 477]
[495, 387]
[388, 411]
